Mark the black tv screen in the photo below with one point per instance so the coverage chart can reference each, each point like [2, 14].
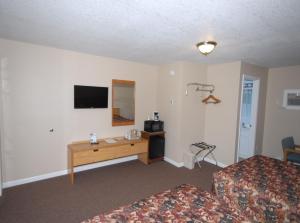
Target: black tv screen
[90, 97]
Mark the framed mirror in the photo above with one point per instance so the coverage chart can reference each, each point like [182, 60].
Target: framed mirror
[123, 102]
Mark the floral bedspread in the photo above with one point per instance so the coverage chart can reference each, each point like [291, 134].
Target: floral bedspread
[264, 189]
[184, 203]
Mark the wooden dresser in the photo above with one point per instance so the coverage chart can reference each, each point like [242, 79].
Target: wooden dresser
[82, 153]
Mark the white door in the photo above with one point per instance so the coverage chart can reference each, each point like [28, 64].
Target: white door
[248, 116]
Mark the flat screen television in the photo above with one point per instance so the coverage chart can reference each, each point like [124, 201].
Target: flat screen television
[90, 97]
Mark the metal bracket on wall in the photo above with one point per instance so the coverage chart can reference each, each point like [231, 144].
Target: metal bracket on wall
[201, 87]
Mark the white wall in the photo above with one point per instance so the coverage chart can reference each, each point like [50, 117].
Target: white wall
[184, 119]
[38, 96]
[280, 122]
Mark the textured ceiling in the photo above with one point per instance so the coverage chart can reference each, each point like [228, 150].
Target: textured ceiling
[262, 32]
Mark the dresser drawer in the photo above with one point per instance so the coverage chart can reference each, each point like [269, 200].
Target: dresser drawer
[102, 154]
[141, 147]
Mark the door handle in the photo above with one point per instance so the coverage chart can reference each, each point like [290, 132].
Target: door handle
[246, 126]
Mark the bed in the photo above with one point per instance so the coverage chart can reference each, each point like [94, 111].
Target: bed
[185, 203]
[264, 189]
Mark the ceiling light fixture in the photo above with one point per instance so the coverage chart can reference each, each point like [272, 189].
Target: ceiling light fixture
[206, 47]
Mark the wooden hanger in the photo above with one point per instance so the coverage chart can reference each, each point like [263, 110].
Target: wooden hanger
[211, 100]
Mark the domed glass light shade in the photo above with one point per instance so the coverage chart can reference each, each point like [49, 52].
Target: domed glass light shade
[206, 47]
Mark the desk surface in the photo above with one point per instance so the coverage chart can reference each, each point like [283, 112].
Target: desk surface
[84, 145]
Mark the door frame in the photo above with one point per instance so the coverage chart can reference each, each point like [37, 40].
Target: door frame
[254, 110]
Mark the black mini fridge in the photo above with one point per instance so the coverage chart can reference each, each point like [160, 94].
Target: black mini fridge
[156, 147]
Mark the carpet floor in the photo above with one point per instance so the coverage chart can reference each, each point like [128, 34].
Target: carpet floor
[95, 191]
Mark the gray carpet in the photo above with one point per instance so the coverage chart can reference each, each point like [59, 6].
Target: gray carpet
[99, 190]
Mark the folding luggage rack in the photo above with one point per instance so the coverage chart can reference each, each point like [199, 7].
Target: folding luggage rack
[202, 149]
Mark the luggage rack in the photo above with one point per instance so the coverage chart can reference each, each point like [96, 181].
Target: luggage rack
[202, 149]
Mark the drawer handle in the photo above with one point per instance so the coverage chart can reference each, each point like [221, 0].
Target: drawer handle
[132, 144]
[95, 150]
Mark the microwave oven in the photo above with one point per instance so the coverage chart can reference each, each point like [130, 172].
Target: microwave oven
[153, 126]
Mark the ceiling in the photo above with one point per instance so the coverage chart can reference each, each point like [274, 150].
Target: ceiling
[262, 32]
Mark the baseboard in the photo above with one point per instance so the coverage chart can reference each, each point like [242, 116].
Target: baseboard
[33, 179]
[243, 156]
[64, 172]
[1, 199]
[89, 167]
[174, 163]
[222, 165]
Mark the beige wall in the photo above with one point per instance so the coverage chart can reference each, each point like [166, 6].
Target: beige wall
[184, 119]
[38, 96]
[2, 69]
[221, 120]
[188, 120]
[262, 74]
[280, 122]
[169, 89]
[192, 108]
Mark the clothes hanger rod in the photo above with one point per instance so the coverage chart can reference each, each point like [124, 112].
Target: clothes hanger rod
[203, 87]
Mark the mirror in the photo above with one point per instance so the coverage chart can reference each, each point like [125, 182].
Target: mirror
[123, 108]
